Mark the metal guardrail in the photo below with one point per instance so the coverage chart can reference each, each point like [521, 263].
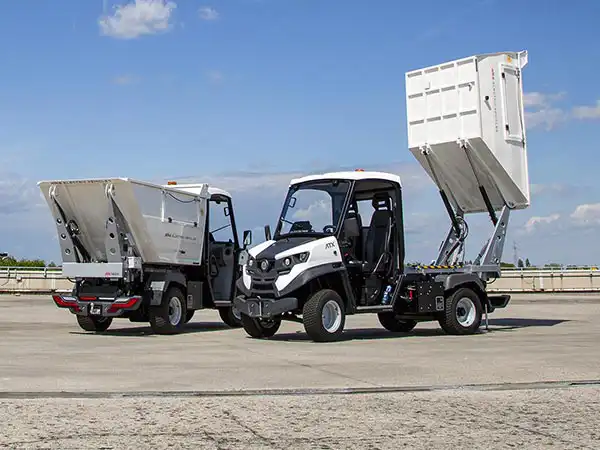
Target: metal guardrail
[50, 279]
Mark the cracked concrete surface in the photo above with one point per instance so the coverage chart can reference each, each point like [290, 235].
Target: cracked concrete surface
[558, 418]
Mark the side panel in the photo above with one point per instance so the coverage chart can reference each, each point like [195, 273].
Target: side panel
[506, 153]
[323, 252]
[442, 103]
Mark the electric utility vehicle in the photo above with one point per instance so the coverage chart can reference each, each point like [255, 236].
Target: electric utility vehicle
[145, 252]
[339, 245]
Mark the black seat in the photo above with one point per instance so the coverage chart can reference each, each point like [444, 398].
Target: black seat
[355, 236]
[378, 234]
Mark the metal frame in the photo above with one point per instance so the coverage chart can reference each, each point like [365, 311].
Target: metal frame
[487, 263]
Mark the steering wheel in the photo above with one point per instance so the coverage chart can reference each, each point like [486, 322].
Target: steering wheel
[327, 227]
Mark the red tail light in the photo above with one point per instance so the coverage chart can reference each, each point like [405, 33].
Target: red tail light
[123, 304]
[62, 302]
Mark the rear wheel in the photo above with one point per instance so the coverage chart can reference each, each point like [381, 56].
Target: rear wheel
[91, 323]
[260, 328]
[463, 312]
[324, 316]
[170, 316]
[391, 323]
[231, 317]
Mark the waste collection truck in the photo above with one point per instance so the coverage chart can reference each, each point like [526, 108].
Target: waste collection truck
[145, 252]
[339, 245]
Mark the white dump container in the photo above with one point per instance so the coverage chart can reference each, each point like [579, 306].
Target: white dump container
[479, 100]
[167, 224]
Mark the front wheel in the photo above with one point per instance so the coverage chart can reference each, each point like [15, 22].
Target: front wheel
[170, 316]
[91, 323]
[231, 317]
[260, 328]
[324, 316]
[463, 312]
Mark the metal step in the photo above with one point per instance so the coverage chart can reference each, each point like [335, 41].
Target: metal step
[374, 308]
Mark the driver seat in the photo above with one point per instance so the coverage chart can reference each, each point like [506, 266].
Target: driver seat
[378, 233]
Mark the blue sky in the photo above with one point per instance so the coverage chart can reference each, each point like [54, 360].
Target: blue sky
[248, 93]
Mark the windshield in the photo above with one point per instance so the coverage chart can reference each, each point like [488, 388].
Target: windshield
[313, 208]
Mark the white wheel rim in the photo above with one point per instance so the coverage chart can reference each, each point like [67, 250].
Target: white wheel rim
[331, 317]
[465, 312]
[175, 311]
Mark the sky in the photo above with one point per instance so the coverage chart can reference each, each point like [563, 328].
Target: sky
[247, 94]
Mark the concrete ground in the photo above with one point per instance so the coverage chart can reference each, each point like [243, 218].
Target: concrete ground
[532, 381]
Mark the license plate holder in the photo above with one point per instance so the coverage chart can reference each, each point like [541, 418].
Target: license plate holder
[95, 310]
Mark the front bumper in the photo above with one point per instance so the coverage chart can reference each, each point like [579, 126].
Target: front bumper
[98, 306]
[264, 308]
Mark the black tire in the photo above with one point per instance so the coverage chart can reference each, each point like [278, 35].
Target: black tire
[260, 328]
[389, 321]
[456, 312]
[312, 316]
[160, 320]
[96, 324]
[189, 315]
[228, 317]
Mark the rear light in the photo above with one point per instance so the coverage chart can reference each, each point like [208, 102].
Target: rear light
[63, 302]
[123, 303]
[88, 299]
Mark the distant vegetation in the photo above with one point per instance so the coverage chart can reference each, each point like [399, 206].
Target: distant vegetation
[11, 261]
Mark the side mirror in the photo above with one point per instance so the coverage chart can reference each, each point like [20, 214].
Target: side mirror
[247, 238]
[243, 257]
[267, 232]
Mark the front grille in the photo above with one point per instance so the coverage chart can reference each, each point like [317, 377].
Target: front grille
[263, 287]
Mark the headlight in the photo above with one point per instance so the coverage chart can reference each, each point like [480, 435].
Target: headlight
[250, 264]
[302, 257]
[289, 261]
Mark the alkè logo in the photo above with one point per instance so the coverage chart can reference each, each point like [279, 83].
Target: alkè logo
[329, 245]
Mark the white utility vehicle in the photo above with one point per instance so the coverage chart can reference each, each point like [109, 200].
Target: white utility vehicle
[339, 246]
[145, 252]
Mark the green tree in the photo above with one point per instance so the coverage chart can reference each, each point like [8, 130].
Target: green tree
[520, 263]
[527, 263]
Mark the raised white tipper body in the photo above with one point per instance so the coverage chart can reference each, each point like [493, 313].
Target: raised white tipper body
[477, 103]
[167, 224]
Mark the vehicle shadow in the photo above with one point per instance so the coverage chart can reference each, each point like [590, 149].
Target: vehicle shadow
[362, 334]
[507, 324]
[358, 334]
[191, 327]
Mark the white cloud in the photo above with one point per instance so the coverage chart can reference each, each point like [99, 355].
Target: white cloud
[535, 222]
[17, 195]
[123, 80]
[541, 99]
[544, 113]
[549, 118]
[141, 17]
[215, 76]
[538, 189]
[587, 112]
[587, 214]
[208, 13]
